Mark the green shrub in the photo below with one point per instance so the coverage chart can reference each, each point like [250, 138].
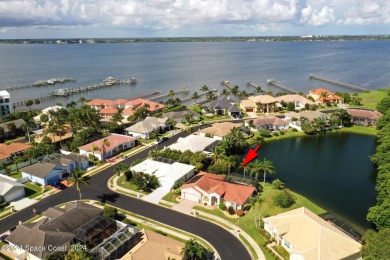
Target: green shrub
[37, 183]
[231, 210]
[222, 206]
[278, 184]
[109, 211]
[240, 213]
[294, 130]
[281, 132]
[275, 134]
[284, 199]
[129, 222]
[264, 133]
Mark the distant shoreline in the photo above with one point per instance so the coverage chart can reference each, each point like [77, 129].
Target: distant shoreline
[306, 38]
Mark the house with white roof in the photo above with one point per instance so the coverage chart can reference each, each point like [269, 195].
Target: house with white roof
[10, 189]
[46, 111]
[145, 128]
[194, 143]
[307, 236]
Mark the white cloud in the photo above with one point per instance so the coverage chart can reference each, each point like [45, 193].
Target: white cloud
[317, 18]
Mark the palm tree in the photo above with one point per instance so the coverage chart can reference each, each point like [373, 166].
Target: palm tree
[71, 104]
[259, 90]
[82, 100]
[219, 155]
[195, 96]
[171, 93]
[210, 96]
[17, 159]
[235, 90]
[121, 168]
[94, 148]
[254, 168]
[239, 137]
[204, 88]
[154, 153]
[78, 179]
[193, 251]
[231, 162]
[105, 144]
[11, 128]
[252, 203]
[267, 166]
[225, 92]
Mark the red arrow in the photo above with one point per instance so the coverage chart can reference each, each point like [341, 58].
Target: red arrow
[250, 156]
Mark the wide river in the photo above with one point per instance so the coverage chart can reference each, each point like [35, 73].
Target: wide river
[165, 66]
[333, 170]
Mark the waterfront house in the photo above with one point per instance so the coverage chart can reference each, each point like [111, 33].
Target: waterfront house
[134, 104]
[155, 246]
[223, 105]
[259, 104]
[179, 116]
[108, 111]
[18, 126]
[7, 152]
[270, 123]
[218, 130]
[298, 100]
[194, 143]
[307, 236]
[10, 189]
[116, 144]
[105, 103]
[54, 137]
[295, 117]
[364, 117]
[323, 96]
[47, 112]
[77, 222]
[145, 128]
[5, 103]
[212, 189]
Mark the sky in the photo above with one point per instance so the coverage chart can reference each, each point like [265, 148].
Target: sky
[22, 19]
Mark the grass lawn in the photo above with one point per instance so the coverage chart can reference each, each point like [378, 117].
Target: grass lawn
[282, 252]
[16, 174]
[128, 185]
[32, 190]
[195, 108]
[215, 118]
[359, 130]
[288, 134]
[371, 98]
[170, 197]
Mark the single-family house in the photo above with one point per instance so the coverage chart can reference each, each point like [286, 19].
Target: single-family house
[218, 130]
[295, 117]
[77, 222]
[54, 137]
[307, 236]
[55, 170]
[323, 96]
[223, 105]
[364, 117]
[47, 112]
[167, 171]
[180, 116]
[18, 126]
[5, 103]
[107, 147]
[7, 152]
[194, 143]
[105, 103]
[213, 190]
[145, 128]
[10, 189]
[259, 104]
[298, 100]
[134, 104]
[155, 246]
[270, 123]
[108, 111]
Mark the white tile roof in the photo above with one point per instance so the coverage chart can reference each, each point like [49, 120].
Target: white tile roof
[194, 143]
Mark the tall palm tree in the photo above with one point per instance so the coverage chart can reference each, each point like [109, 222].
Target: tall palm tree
[195, 96]
[235, 90]
[204, 88]
[267, 166]
[225, 92]
[219, 155]
[82, 100]
[171, 93]
[254, 168]
[239, 137]
[78, 179]
[154, 153]
[231, 162]
[105, 144]
[210, 96]
[11, 128]
[120, 169]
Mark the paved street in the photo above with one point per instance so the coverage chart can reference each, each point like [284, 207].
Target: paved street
[227, 245]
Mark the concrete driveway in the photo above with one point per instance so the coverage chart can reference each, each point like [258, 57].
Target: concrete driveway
[184, 206]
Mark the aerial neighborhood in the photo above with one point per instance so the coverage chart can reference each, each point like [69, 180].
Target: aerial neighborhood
[130, 178]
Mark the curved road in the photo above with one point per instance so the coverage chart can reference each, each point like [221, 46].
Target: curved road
[227, 245]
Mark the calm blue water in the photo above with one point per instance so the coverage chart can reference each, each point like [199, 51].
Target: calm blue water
[165, 66]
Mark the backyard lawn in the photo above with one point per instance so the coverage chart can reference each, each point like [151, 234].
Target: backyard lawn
[128, 185]
[371, 98]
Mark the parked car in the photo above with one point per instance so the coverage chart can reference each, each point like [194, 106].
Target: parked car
[159, 141]
[58, 185]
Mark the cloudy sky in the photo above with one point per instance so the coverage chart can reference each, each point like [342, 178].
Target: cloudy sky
[171, 18]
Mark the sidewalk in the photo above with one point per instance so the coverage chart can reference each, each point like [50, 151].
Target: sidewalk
[236, 230]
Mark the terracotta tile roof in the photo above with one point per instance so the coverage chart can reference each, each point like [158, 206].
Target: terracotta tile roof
[140, 102]
[113, 139]
[129, 111]
[319, 91]
[363, 113]
[7, 150]
[269, 120]
[106, 102]
[108, 110]
[214, 183]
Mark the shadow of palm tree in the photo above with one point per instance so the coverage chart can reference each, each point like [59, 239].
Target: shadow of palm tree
[110, 197]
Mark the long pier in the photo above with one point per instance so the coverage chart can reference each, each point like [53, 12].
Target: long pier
[23, 101]
[152, 93]
[340, 84]
[41, 83]
[182, 90]
[248, 83]
[272, 82]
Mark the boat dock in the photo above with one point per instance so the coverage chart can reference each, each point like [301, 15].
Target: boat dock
[17, 103]
[336, 83]
[248, 83]
[152, 93]
[272, 82]
[182, 90]
[227, 84]
[41, 83]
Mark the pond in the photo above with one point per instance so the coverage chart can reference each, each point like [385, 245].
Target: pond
[332, 170]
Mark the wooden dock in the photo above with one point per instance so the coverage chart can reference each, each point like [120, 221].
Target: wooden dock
[182, 90]
[248, 83]
[152, 93]
[272, 82]
[41, 83]
[336, 83]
